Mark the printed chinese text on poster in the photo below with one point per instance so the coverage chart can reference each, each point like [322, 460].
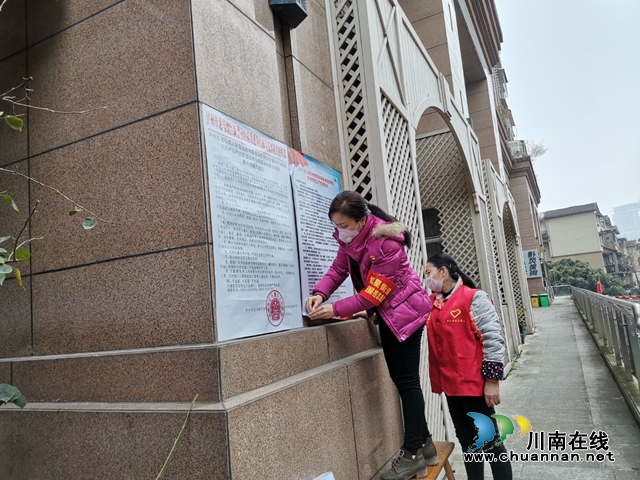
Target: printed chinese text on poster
[314, 186]
[257, 283]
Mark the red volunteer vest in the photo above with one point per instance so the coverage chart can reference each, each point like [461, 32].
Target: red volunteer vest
[456, 346]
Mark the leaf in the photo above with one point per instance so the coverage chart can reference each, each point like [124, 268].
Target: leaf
[22, 254]
[89, 222]
[6, 269]
[75, 210]
[18, 275]
[14, 122]
[2, 259]
[4, 239]
[2, 250]
[2, 277]
[20, 401]
[10, 394]
[11, 202]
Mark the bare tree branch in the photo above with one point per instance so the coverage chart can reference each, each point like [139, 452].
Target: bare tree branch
[21, 102]
[56, 191]
[13, 89]
[30, 240]
[62, 112]
[536, 149]
[26, 222]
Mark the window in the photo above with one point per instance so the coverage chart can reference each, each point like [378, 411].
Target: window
[432, 231]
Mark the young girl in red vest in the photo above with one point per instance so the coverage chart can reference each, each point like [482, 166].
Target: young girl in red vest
[372, 251]
[466, 357]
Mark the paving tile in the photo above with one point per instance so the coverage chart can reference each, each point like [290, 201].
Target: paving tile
[569, 388]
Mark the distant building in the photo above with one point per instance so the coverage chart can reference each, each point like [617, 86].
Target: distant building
[627, 218]
[633, 251]
[583, 233]
[574, 232]
[626, 262]
[615, 252]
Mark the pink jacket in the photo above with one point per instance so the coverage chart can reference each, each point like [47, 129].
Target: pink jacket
[379, 252]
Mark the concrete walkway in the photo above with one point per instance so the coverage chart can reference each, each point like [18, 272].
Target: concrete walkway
[560, 382]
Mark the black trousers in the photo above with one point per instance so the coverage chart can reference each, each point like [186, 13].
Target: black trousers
[403, 362]
[466, 432]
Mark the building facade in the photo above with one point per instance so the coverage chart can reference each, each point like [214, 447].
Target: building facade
[574, 232]
[618, 254]
[583, 233]
[524, 187]
[627, 218]
[112, 339]
[633, 251]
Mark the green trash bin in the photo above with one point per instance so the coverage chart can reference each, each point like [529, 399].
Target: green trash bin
[544, 300]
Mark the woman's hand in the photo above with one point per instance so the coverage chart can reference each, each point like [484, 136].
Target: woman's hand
[325, 312]
[362, 314]
[314, 302]
[492, 392]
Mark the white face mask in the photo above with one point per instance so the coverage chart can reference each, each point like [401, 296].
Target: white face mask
[434, 285]
[347, 235]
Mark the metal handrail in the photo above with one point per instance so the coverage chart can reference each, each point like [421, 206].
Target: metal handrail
[617, 324]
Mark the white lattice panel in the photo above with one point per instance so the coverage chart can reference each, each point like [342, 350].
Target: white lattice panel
[406, 208]
[509, 322]
[351, 86]
[513, 257]
[495, 261]
[395, 43]
[488, 245]
[433, 406]
[444, 185]
[404, 201]
[386, 97]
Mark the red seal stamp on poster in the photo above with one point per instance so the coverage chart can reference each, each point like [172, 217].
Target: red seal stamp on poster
[275, 308]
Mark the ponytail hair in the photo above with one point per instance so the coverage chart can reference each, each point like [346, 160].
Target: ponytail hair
[353, 205]
[440, 260]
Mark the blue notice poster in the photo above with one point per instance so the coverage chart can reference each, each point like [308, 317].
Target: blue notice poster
[314, 187]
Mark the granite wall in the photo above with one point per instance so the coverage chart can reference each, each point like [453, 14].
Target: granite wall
[114, 332]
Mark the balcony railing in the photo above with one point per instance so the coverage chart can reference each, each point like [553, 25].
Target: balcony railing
[616, 324]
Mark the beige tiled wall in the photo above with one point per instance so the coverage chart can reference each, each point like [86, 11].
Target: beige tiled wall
[145, 180]
[240, 66]
[482, 115]
[143, 301]
[112, 444]
[15, 334]
[129, 61]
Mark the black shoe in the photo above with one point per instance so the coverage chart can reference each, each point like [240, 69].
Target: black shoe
[405, 466]
[430, 453]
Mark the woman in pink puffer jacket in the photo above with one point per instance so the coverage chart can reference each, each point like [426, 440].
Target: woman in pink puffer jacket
[372, 252]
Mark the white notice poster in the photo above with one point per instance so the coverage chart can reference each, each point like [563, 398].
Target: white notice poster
[314, 186]
[254, 240]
